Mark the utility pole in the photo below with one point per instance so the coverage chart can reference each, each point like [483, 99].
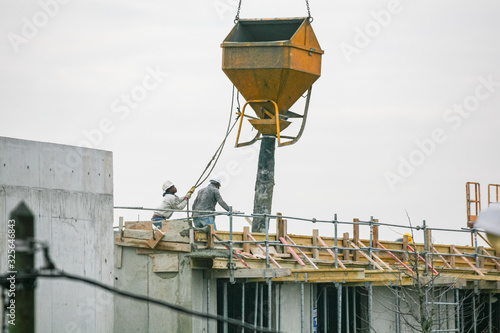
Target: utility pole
[264, 184]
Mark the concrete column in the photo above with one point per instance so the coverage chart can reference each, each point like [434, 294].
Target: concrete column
[264, 184]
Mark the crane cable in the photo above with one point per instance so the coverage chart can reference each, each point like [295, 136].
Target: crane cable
[218, 152]
[215, 158]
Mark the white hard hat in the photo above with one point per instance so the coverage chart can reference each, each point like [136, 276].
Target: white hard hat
[166, 185]
[215, 180]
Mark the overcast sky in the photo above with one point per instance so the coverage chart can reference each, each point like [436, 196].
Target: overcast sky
[404, 114]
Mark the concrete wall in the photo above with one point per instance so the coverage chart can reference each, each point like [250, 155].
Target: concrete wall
[70, 191]
[290, 319]
[185, 288]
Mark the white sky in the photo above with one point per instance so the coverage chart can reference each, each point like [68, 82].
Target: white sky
[67, 76]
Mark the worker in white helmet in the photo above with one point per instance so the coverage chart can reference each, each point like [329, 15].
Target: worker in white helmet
[205, 203]
[170, 202]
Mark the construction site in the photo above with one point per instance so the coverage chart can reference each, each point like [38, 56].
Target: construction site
[75, 270]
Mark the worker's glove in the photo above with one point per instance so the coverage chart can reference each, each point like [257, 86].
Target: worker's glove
[190, 193]
[237, 212]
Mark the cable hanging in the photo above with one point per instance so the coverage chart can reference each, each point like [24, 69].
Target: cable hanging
[50, 271]
[215, 158]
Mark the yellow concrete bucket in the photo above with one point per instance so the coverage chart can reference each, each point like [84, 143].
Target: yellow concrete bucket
[272, 62]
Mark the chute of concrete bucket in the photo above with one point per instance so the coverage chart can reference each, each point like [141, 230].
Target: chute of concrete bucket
[272, 62]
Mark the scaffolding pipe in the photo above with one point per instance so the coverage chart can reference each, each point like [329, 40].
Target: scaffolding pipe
[311, 306]
[261, 318]
[371, 241]
[225, 306]
[474, 311]
[336, 244]
[462, 316]
[232, 265]
[242, 305]
[476, 249]
[398, 310]
[325, 310]
[347, 309]
[302, 307]
[279, 308]
[269, 303]
[256, 305]
[354, 321]
[208, 305]
[490, 310]
[339, 307]
[267, 243]
[426, 250]
[370, 300]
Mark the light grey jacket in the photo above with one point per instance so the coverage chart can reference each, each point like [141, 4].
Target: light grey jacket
[170, 201]
[206, 200]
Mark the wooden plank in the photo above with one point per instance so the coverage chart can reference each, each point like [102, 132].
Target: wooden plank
[375, 233]
[324, 275]
[235, 252]
[331, 252]
[165, 262]
[366, 256]
[377, 257]
[246, 246]
[210, 238]
[481, 259]
[428, 235]
[397, 259]
[468, 262]
[492, 259]
[355, 238]
[251, 273]
[167, 236]
[292, 252]
[452, 258]
[406, 258]
[423, 260]
[315, 252]
[264, 251]
[155, 238]
[167, 246]
[345, 244]
[281, 231]
[146, 225]
[440, 256]
[302, 252]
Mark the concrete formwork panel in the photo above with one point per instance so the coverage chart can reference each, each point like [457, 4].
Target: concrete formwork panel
[290, 303]
[70, 192]
[185, 288]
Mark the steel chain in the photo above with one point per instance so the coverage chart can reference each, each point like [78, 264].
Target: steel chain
[309, 11]
[237, 18]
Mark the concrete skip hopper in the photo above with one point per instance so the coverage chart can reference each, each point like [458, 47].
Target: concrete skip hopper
[272, 62]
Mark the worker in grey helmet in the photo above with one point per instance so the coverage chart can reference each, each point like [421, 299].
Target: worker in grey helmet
[170, 202]
[205, 203]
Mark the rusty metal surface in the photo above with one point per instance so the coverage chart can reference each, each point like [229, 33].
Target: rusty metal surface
[272, 59]
[268, 126]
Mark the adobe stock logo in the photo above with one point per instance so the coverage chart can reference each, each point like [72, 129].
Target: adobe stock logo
[372, 29]
[120, 109]
[223, 7]
[31, 26]
[453, 118]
